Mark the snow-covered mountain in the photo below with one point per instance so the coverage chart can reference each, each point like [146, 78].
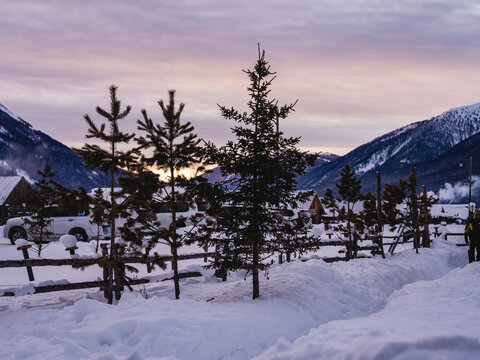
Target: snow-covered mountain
[23, 151]
[216, 175]
[433, 146]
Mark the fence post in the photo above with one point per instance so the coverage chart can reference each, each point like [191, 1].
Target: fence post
[26, 257]
[426, 231]
[149, 265]
[119, 271]
[205, 248]
[379, 216]
[105, 269]
[413, 197]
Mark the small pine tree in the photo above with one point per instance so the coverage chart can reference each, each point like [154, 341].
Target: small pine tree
[39, 224]
[401, 206]
[330, 203]
[425, 215]
[99, 206]
[349, 187]
[367, 218]
[175, 147]
[109, 160]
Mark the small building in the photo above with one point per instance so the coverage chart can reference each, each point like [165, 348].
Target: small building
[314, 206]
[17, 197]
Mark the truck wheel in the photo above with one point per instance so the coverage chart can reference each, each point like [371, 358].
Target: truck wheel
[80, 234]
[17, 233]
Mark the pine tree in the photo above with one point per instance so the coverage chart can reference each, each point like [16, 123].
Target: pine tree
[39, 224]
[99, 206]
[404, 195]
[175, 147]
[367, 218]
[265, 166]
[425, 216]
[109, 160]
[349, 187]
[330, 203]
[412, 207]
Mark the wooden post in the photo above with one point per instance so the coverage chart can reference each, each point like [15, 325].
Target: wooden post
[205, 248]
[71, 250]
[413, 197]
[426, 232]
[149, 265]
[379, 216]
[26, 257]
[118, 272]
[105, 270]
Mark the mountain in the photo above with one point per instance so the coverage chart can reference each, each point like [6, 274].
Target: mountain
[24, 150]
[434, 146]
[216, 175]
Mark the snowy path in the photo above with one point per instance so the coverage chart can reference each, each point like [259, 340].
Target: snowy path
[296, 298]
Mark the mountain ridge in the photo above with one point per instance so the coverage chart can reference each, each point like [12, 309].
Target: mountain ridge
[24, 150]
[395, 152]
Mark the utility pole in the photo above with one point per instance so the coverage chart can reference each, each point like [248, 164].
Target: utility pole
[468, 161]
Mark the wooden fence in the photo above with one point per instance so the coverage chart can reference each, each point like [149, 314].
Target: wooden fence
[149, 260]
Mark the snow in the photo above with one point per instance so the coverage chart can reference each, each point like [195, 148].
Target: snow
[374, 161]
[69, 241]
[8, 112]
[7, 184]
[405, 306]
[424, 320]
[456, 211]
[21, 242]
[23, 173]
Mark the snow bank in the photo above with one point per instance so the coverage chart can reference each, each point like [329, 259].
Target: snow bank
[219, 320]
[425, 320]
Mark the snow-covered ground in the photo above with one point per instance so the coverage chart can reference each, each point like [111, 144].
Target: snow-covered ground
[406, 306]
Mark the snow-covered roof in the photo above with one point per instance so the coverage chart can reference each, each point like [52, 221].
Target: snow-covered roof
[459, 211]
[308, 203]
[7, 184]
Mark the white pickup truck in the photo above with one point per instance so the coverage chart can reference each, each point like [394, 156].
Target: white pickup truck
[79, 225]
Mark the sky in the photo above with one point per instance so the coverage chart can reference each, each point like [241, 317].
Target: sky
[359, 68]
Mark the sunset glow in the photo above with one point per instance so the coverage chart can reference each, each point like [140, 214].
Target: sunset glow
[358, 68]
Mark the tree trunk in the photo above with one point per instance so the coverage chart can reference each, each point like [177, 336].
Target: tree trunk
[176, 278]
[173, 233]
[112, 225]
[349, 231]
[256, 284]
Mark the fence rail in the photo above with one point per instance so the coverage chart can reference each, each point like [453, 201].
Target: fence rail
[149, 260]
[88, 262]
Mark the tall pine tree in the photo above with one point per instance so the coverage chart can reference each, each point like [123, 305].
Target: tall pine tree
[265, 166]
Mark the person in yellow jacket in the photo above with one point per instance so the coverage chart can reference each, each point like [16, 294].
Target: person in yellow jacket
[472, 236]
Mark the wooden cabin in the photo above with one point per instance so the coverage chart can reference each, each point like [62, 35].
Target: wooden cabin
[17, 197]
[314, 206]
